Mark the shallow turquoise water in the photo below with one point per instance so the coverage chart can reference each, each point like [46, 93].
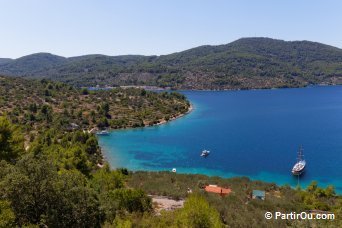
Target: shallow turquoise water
[249, 133]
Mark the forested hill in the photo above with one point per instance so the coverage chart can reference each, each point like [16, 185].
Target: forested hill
[242, 64]
[38, 105]
[5, 60]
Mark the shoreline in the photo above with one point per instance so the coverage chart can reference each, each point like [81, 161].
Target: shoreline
[251, 178]
[253, 89]
[156, 88]
[217, 90]
[190, 109]
[102, 154]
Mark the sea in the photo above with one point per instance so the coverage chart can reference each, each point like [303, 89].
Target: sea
[253, 133]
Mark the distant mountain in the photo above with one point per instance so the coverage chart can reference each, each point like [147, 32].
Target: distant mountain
[5, 60]
[242, 64]
[33, 64]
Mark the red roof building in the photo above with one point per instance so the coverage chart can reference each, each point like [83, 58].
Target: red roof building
[217, 189]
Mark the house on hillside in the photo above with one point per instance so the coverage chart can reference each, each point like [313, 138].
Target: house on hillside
[217, 189]
[258, 194]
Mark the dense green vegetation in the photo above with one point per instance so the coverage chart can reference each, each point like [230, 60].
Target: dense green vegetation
[197, 212]
[39, 105]
[56, 182]
[242, 64]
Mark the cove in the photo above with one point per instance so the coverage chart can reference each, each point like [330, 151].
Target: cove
[253, 133]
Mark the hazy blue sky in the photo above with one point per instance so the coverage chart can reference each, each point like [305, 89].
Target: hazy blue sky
[77, 27]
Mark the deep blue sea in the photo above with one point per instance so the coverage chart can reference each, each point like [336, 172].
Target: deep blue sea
[253, 133]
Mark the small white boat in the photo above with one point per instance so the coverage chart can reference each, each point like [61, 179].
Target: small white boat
[205, 153]
[104, 132]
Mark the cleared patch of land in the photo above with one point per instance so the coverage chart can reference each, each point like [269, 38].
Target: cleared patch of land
[164, 203]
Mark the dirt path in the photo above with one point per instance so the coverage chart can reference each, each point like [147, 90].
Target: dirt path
[164, 203]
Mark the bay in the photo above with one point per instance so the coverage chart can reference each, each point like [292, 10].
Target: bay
[253, 133]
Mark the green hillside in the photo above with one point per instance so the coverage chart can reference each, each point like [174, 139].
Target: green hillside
[242, 64]
[38, 105]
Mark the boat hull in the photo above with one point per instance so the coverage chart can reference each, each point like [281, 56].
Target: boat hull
[297, 173]
[298, 170]
[205, 153]
[106, 133]
[299, 167]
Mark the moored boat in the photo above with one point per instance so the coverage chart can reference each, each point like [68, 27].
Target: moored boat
[104, 132]
[205, 153]
[299, 167]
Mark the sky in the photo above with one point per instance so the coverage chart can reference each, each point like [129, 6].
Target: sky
[157, 27]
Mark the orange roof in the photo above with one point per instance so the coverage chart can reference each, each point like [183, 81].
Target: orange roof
[217, 189]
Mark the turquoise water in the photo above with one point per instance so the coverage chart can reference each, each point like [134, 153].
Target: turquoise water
[252, 133]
